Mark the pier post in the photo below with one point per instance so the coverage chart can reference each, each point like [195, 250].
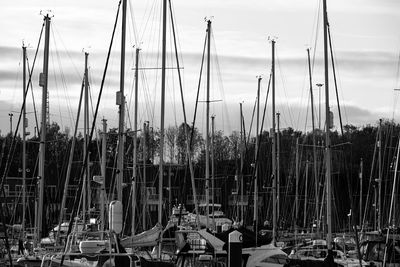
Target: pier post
[235, 249]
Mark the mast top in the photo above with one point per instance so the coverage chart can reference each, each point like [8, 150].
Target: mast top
[208, 19]
[47, 13]
[272, 39]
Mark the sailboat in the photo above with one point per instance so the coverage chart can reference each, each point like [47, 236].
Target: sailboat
[322, 250]
[88, 246]
[209, 214]
[202, 247]
[35, 259]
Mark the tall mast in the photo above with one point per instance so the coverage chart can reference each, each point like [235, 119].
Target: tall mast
[392, 205]
[145, 131]
[86, 181]
[380, 176]
[319, 105]
[241, 165]
[163, 63]
[11, 127]
[212, 172]
[186, 129]
[328, 141]
[68, 174]
[169, 189]
[255, 212]
[103, 173]
[24, 125]
[316, 182]
[274, 186]
[43, 81]
[278, 176]
[207, 174]
[121, 102]
[297, 189]
[135, 129]
[305, 197]
[361, 191]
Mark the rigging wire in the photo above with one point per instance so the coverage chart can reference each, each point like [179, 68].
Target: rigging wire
[225, 113]
[251, 121]
[153, 44]
[144, 27]
[397, 83]
[148, 111]
[33, 99]
[387, 154]
[334, 78]
[57, 92]
[63, 77]
[132, 84]
[307, 110]
[173, 93]
[256, 167]
[14, 89]
[98, 139]
[398, 70]
[133, 24]
[316, 26]
[392, 201]
[303, 89]
[244, 131]
[70, 155]
[188, 142]
[11, 154]
[370, 184]
[198, 89]
[12, 146]
[149, 106]
[76, 69]
[74, 210]
[284, 90]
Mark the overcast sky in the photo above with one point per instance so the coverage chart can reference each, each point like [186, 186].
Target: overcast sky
[365, 36]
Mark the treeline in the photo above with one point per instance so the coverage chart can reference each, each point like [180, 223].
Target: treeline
[349, 148]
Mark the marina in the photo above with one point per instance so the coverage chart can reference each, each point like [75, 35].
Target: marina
[126, 185]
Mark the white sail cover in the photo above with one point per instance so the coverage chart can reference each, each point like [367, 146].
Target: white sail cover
[145, 239]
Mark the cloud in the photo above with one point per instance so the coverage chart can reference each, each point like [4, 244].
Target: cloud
[238, 74]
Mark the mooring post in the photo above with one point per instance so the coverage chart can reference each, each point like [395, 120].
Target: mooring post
[235, 249]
